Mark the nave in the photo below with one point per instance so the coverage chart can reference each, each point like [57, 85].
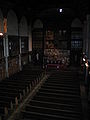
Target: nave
[58, 97]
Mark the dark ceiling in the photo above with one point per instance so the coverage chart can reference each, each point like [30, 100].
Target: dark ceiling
[34, 4]
[47, 7]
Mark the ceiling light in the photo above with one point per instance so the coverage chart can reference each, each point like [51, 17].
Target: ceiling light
[60, 10]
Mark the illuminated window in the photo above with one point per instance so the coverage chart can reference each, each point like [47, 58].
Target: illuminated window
[76, 44]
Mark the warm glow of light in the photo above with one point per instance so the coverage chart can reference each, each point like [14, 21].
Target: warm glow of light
[1, 34]
[86, 64]
[84, 59]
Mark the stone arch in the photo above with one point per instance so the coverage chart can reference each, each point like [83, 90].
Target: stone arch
[76, 23]
[38, 24]
[12, 23]
[23, 27]
[1, 21]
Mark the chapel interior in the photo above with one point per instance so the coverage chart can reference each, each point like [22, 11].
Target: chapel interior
[44, 60]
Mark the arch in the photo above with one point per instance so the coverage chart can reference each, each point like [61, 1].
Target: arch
[1, 21]
[12, 23]
[23, 28]
[76, 23]
[38, 24]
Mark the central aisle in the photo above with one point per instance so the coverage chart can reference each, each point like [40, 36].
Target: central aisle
[57, 99]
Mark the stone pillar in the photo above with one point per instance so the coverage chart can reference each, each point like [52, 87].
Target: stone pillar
[20, 52]
[6, 52]
[88, 35]
[30, 42]
[84, 36]
[20, 65]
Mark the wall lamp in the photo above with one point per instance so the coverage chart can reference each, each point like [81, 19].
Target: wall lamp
[1, 34]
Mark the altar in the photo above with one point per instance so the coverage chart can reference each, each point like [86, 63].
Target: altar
[56, 58]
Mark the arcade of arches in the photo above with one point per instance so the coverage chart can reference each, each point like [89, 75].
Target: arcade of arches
[56, 37]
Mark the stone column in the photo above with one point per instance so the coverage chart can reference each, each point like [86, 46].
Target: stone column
[6, 52]
[30, 42]
[20, 52]
[84, 36]
[88, 35]
[20, 65]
